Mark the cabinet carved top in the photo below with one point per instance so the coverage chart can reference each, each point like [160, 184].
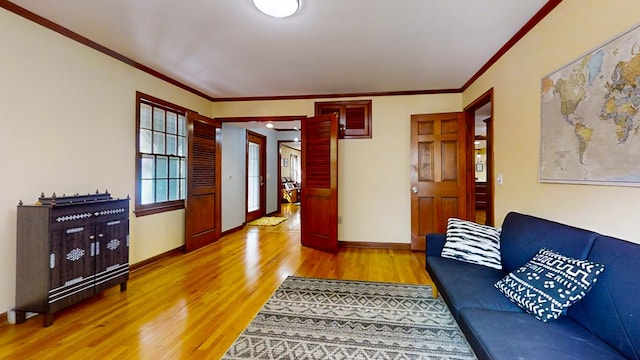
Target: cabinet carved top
[76, 199]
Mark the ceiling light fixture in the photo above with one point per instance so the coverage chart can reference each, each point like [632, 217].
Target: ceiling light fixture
[277, 8]
[269, 125]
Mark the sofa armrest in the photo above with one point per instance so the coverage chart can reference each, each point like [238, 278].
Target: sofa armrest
[435, 243]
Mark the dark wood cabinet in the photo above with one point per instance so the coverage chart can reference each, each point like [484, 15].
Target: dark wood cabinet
[354, 117]
[69, 249]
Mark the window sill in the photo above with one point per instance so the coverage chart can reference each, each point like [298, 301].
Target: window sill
[158, 208]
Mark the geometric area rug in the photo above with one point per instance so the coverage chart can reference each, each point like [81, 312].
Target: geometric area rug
[309, 318]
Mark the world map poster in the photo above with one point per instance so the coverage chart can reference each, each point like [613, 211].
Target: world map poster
[590, 120]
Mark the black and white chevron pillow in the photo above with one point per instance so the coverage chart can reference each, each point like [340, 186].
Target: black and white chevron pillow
[473, 243]
[549, 283]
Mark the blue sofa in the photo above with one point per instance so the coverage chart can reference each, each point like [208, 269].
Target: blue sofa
[605, 324]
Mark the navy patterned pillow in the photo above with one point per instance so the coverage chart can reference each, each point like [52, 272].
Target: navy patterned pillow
[549, 283]
[473, 243]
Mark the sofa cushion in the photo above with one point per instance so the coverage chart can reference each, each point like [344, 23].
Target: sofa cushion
[611, 310]
[549, 283]
[473, 243]
[464, 285]
[512, 335]
[523, 235]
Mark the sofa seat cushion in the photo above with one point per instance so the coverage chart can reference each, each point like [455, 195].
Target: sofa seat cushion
[468, 285]
[511, 335]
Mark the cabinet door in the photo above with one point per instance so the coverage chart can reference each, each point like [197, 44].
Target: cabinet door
[72, 266]
[112, 253]
[354, 117]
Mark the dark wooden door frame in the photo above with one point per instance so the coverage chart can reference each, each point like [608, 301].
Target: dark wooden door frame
[469, 112]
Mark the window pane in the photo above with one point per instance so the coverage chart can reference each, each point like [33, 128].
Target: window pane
[183, 168]
[162, 167]
[253, 178]
[158, 119]
[172, 145]
[183, 188]
[146, 192]
[172, 123]
[161, 190]
[158, 143]
[174, 167]
[145, 116]
[148, 164]
[174, 191]
[181, 148]
[182, 125]
[145, 141]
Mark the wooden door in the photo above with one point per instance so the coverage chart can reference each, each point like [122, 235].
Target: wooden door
[202, 203]
[438, 173]
[319, 188]
[256, 170]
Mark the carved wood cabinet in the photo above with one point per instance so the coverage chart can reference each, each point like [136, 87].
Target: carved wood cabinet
[69, 248]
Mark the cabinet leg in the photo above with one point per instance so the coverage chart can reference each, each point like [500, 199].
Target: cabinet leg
[123, 286]
[48, 319]
[21, 316]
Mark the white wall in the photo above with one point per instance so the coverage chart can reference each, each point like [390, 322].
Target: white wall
[67, 114]
[574, 28]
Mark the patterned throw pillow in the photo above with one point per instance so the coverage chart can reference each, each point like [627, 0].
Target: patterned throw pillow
[473, 243]
[549, 283]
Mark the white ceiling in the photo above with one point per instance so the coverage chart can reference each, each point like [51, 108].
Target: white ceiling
[228, 49]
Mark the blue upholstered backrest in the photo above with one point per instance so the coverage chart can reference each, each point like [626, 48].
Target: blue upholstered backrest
[523, 235]
[611, 310]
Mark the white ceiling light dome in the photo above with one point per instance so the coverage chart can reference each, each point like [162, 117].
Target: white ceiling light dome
[277, 8]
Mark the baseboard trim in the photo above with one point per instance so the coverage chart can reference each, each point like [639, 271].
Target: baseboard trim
[373, 245]
[232, 230]
[153, 259]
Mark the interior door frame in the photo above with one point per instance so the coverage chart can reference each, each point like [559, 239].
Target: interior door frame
[264, 120]
[279, 192]
[469, 113]
[262, 210]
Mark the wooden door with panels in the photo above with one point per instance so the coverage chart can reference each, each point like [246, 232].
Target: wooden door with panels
[438, 173]
[202, 203]
[319, 189]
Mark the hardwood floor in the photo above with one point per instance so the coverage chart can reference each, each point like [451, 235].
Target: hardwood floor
[193, 306]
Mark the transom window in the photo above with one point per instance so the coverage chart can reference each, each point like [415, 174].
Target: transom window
[161, 155]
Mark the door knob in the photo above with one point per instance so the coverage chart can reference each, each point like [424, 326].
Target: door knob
[414, 190]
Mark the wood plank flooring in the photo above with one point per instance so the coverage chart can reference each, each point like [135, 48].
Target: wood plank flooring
[193, 306]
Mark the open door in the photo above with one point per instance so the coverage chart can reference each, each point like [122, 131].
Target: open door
[438, 173]
[202, 204]
[319, 211]
[256, 170]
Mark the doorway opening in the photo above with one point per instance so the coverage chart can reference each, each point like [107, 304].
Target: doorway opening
[480, 114]
[290, 172]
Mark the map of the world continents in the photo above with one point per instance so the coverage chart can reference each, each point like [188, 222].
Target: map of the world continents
[590, 120]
